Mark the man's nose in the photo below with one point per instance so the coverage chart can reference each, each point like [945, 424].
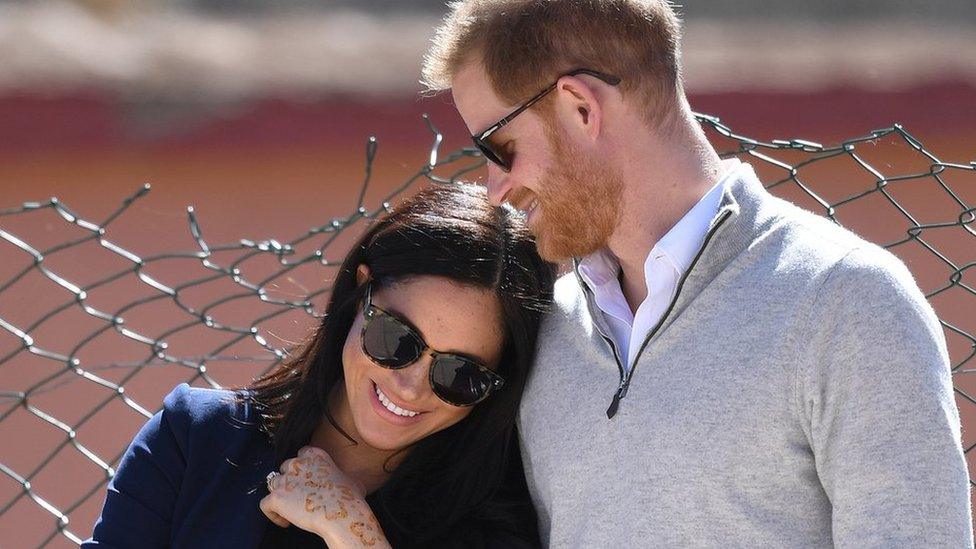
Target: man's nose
[499, 184]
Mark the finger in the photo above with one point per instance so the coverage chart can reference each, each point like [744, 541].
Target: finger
[314, 451]
[267, 507]
[278, 519]
[317, 456]
[287, 466]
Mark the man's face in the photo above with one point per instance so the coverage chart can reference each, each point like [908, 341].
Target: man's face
[571, 196]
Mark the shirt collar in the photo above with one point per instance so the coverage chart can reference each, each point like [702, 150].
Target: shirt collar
[599, 267]
[680, 244]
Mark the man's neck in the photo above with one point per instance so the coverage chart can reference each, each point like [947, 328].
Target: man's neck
[659, 189]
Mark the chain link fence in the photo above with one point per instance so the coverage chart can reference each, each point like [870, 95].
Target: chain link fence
[85, 357]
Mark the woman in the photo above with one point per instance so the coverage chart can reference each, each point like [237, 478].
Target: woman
[393, 426]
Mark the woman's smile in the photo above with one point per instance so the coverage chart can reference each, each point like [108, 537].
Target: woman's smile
[390, 411]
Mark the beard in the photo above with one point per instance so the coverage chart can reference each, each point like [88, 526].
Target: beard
[579, 201]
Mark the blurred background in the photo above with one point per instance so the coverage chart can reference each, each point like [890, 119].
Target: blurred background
[201, 98]
[258, 114]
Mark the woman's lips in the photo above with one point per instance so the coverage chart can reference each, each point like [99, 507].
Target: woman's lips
[386, 414]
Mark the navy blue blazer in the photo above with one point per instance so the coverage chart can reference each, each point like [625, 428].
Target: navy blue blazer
[192, 477]
[195, 473]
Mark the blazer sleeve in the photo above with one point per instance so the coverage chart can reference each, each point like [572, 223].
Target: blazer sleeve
[142, 495]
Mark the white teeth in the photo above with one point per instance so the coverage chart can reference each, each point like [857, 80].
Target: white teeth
[393, 407]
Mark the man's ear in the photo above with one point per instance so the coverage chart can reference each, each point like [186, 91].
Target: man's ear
[362, 274]
[578, 107]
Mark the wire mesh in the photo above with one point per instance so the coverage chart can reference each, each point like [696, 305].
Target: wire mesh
[884, 185]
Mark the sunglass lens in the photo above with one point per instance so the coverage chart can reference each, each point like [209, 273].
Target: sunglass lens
[486, 149]
[391, 343]
[458, 381]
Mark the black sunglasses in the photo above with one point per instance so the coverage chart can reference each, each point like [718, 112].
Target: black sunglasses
[500, 157]
[392, 343]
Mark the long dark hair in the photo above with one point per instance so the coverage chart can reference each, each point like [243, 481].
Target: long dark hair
[451, 232]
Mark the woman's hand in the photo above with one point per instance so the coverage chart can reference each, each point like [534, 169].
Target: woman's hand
[314, 495]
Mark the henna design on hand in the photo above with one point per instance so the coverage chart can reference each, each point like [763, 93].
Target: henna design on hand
[365, 533]
[323, 499]
[315, 502]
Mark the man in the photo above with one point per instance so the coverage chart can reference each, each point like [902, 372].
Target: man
[722, 368]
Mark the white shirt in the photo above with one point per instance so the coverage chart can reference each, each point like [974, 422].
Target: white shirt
[669, 259]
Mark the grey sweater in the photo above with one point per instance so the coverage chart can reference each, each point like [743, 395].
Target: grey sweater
[796, 394]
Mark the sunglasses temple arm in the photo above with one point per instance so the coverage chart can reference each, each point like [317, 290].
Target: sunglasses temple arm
[528, 104]
[504, 121]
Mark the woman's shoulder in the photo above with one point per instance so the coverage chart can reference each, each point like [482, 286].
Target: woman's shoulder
[208, 412]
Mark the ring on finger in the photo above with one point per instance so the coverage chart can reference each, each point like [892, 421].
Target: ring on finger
[270, 479]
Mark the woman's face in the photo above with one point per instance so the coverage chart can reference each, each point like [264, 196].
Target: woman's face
[451, 318]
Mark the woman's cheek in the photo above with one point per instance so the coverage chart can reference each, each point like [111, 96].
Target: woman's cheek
[351, 352]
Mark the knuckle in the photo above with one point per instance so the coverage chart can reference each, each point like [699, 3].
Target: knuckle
[312, 451]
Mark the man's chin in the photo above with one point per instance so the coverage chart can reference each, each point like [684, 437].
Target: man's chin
[552, 257]
[564, 248]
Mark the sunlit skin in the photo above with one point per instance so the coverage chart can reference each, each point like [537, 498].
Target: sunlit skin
[662, 170]
[312, 493]
[558, 164]
[451, 318]
[323, 488]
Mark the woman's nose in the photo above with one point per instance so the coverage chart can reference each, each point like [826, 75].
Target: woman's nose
[411, 382]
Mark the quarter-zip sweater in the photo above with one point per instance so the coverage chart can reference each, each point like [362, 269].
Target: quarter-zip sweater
[796, 393]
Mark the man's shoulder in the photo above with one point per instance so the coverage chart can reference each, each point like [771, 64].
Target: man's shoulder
[812, 230]
[871, 281]
[842, 264]
[818, 245]
[567, 294]
[568, 306]
[567, 286]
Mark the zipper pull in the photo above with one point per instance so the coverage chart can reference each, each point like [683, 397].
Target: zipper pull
[615, 403]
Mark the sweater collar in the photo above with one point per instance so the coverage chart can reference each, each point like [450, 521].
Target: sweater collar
[677, 246]
[738, 222]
